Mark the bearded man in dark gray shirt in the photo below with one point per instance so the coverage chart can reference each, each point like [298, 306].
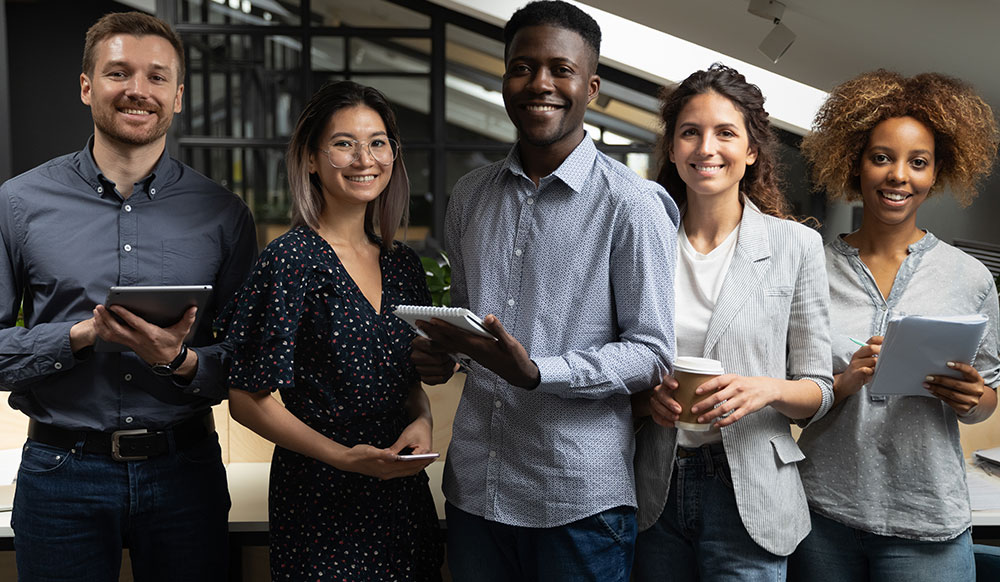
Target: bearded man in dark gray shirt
[121, 447]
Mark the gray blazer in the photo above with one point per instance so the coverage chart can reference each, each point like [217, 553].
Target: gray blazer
[771, 319]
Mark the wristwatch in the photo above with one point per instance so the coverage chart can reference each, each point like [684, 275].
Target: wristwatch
[169, 368]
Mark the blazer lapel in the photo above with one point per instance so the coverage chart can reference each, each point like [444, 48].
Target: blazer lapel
[751, 260]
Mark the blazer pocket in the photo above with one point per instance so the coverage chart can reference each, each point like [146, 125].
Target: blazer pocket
[787, 449]
[779, 291]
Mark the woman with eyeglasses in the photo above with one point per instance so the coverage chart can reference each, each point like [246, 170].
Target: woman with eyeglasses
[314, 321]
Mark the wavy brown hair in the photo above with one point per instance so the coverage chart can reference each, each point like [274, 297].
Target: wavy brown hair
[392, 205]
[965, 131]
[760, 182]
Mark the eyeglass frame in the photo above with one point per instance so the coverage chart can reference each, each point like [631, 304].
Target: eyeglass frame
[393, 145]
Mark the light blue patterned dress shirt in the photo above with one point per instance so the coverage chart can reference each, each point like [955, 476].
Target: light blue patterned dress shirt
[579, 270]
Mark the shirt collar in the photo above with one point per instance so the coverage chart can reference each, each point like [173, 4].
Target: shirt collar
[87, 166]
[926, 242]
[582, 156]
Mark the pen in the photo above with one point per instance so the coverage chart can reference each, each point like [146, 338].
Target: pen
[859, 342]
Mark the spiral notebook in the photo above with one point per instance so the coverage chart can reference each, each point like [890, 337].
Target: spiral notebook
[916, 347]
[457, 316]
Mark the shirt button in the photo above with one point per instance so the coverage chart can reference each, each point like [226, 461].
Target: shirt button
[128, 248]
[100, 189]
[128, 208]
[57, 365]
[529, 201]
[128, 419]
[510, 302]
[128, 377]
[152, 191]
[518, 252]
[498, 404]
[493, 454]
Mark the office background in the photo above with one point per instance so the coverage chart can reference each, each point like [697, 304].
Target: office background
[253, 64]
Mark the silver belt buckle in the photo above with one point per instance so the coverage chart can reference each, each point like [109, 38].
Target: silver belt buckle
[115, 446]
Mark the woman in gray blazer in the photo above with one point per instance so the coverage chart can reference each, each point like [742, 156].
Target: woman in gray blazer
[884, 475]
[751, 288]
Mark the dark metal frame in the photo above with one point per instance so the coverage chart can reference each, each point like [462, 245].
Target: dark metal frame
[437, 146]
[6, 163]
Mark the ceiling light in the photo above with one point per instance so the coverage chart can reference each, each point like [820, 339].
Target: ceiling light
[777, 42]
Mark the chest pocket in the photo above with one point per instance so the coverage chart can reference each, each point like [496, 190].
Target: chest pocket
[191, 261]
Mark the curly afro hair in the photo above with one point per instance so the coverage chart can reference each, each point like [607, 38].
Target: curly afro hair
[760, 182]
[965, 131]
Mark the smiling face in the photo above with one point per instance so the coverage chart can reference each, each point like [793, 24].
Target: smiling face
[362, 181]
[897, 171]
[133, 91]
[710, 146]
[548, 84]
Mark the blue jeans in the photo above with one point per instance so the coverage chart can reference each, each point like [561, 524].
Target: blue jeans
[700, 536]
[597, 548]
[74, 511]
[834, 552]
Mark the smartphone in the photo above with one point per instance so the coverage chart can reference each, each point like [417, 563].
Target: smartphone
[419, 457]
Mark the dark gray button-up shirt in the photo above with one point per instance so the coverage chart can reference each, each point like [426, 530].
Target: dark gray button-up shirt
[67, 235]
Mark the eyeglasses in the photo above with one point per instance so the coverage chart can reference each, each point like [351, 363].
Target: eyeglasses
[344, 152]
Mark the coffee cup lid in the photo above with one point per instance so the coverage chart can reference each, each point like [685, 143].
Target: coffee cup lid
[694, 365]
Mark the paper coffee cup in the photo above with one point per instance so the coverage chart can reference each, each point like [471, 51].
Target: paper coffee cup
[691, 372]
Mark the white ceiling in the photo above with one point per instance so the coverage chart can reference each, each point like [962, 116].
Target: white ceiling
[837, 39]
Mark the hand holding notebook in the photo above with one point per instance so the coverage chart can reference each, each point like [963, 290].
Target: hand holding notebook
[458, 316]
[916, 347]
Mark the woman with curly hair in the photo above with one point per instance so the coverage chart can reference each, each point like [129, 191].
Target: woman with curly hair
[884, 474]
[726, 503]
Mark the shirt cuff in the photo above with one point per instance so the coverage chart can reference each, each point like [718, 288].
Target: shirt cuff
[205, 377]
[554, 374]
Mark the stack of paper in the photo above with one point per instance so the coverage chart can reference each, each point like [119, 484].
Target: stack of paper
[984, 490]
[989, 459]
[916, 347]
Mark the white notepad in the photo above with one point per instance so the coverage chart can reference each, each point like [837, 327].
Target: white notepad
[916, 347]
[457, 316]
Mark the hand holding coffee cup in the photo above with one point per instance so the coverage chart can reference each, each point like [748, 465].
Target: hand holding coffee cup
[689, 374]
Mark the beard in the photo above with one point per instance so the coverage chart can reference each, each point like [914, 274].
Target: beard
[107, 122]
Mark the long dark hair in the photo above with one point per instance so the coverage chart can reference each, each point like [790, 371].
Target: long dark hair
[760, 182]
[392, 205]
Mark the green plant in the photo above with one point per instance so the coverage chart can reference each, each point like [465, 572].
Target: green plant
[438, 272]
[20, 317]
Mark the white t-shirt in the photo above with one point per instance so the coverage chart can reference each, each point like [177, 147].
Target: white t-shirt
[696, 289]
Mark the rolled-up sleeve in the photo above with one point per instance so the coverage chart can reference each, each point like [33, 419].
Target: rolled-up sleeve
[809, 351]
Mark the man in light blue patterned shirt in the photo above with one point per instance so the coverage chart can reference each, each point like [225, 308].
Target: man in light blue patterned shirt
[572, 255]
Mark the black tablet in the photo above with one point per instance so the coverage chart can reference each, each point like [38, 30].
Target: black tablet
[159, 305]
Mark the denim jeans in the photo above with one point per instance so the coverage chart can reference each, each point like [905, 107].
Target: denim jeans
[833, 552]
[699, 536]
[598, 548]
[74, 511]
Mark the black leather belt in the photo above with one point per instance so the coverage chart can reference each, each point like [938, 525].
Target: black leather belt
[126, 445]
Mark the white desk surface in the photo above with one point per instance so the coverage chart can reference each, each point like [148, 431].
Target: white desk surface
[248, 489]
